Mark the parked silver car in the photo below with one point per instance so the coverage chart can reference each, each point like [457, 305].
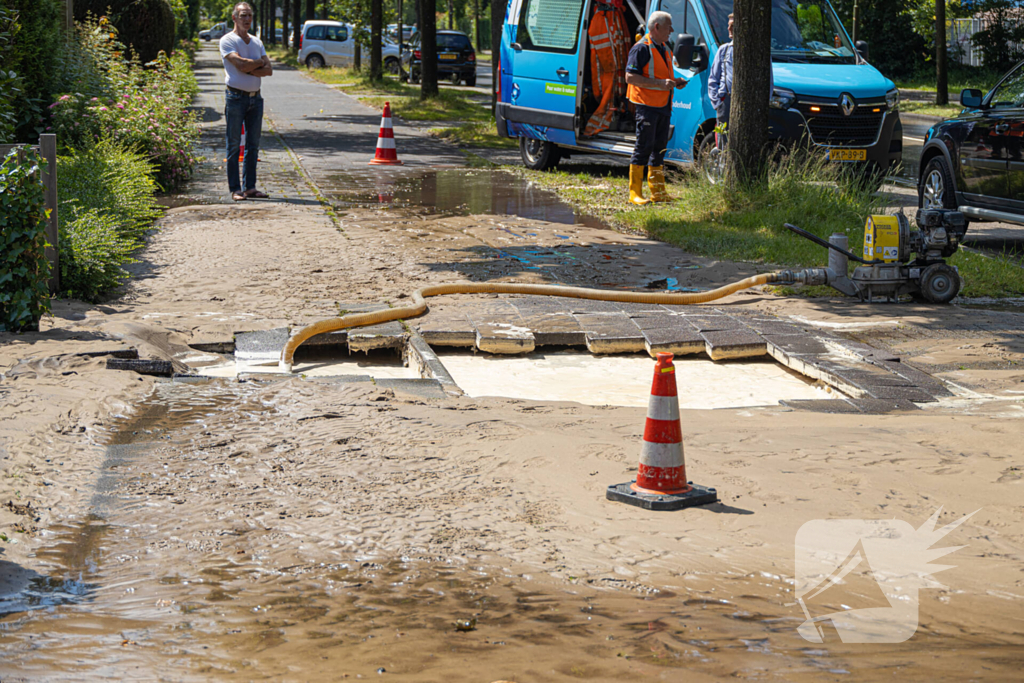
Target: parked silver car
[215, 32]
[331, 43]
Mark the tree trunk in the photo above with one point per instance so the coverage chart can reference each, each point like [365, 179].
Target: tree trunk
[941, 74]
[497, 26]
[272, 24]
[376, 61]
[476, 24]
[418, 19]
[428, 49]
[748, 117]
[310, 10]
[296, 23]
[323, 10]
[400, 32]
[357, 57]
[284, 21]
[450, 15]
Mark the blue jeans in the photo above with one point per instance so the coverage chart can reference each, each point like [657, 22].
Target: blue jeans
[239, 109]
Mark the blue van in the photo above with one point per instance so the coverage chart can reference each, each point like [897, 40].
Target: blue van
[825, 92]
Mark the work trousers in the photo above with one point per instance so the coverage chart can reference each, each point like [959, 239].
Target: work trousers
[239, 109]
[652, 126]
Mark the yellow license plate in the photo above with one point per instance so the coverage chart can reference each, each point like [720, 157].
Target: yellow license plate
[847, 155]
[447, 56]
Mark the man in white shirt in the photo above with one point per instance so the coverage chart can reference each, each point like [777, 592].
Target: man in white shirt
[245, 64]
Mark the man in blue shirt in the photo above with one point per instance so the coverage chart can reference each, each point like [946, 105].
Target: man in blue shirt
[720, 83]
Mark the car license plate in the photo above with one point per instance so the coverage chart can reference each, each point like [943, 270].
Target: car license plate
[847, 155]
[447, 56]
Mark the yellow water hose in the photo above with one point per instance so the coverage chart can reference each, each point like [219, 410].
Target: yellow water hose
[419, 305]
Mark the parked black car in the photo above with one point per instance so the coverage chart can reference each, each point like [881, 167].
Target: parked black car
[975, 162]
[456, 58]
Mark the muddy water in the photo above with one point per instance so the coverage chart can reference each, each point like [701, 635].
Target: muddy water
[199, 566]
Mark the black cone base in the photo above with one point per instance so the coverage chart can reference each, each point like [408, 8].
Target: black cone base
[698, 495]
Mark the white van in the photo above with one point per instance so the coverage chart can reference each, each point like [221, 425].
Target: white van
[331, 43]
[215, 32]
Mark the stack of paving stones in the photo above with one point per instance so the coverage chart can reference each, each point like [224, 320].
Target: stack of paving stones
[871, 381]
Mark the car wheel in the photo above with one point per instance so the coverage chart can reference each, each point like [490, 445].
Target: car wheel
[391, 65]
[936, 189]
[471, 81]
[711, 160]
[538, 155]
[940, 283]
[315, 62]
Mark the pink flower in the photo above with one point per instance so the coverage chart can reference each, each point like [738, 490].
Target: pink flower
[65, 98]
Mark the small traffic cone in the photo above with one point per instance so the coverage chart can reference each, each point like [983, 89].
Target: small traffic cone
[386, 151]
[241, 146]
[661, 478]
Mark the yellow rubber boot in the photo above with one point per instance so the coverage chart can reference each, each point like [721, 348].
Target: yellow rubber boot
[636, 185]
[656, 182]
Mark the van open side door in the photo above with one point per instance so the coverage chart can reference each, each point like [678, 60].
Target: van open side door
[545, 54]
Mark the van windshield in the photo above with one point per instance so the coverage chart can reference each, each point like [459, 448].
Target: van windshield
[806, 31]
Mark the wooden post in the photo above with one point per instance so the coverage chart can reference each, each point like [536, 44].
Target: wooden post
[48, 150]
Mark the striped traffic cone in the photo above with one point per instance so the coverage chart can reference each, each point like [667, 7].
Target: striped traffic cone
[661, 478]
[386, 151]
[241, 146]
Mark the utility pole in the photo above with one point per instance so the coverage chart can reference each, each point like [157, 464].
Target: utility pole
[941, 73]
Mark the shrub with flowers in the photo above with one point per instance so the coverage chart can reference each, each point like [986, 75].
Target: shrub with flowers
[115, 98]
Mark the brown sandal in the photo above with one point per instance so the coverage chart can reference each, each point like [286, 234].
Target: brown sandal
[256, 194]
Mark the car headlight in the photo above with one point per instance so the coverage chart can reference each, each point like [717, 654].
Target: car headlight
[782, 98]
[892, 99]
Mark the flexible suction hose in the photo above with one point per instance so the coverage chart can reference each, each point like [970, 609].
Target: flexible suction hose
[419, 305]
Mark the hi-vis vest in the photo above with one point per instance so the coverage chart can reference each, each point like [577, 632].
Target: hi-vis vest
[657, 67]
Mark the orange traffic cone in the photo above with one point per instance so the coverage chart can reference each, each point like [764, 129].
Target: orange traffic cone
[386, 151]
[661, 478]
[241, 146]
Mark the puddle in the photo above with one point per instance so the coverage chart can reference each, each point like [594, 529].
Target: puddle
[625, 380]
[461, 192]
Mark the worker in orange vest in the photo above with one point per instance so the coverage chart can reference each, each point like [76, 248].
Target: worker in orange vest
[649, 86]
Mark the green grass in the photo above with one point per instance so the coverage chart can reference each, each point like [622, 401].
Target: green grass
[960, 78]
[747, 226]
[475, 134]
[930, 109]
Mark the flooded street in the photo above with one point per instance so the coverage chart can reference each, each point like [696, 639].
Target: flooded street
[224, 544]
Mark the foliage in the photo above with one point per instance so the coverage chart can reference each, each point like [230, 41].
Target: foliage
[146, 26]
[887, 26]
[24, 270]
[117, 99]
[32, 55]
[1000, 43]
[106, 204]
[9, 82]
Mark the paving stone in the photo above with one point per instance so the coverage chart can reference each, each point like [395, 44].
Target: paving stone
[327, 339]
[917, 378]
[555, 329]
[676, 340]
[902, 393]
[390, 335]
[504, 336]
[795, 344]
[122, 351]
[634, 310]
[446, 328]
[662, 320]
[773, 327]
[836, 406]
[880, 406]
[829, 372]
[160, 368]
[611, 333]
[591, 306]
[424, 388]
[713, 323]
[261, 345]
[738, 343]
[864, 351]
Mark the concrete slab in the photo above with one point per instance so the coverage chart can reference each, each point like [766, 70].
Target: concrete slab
[789, 344]
[508, 336]
[714, 323]
[901, 393]
[446, 328]
[263, 345]
[390, 335]
[734, 343]
[555, 329]
[676, 340]
[424, 388]
[662, 320]
[611, 333]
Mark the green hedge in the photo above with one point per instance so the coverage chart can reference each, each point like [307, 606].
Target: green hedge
[24, 271]
[146, 26]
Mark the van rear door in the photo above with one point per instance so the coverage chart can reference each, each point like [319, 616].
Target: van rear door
[545, 69]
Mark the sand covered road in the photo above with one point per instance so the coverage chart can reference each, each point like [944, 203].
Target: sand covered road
[256, 479]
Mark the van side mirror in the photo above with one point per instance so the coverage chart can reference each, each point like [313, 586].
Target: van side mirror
[971, 98]
[684, 50]
[862, 49]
